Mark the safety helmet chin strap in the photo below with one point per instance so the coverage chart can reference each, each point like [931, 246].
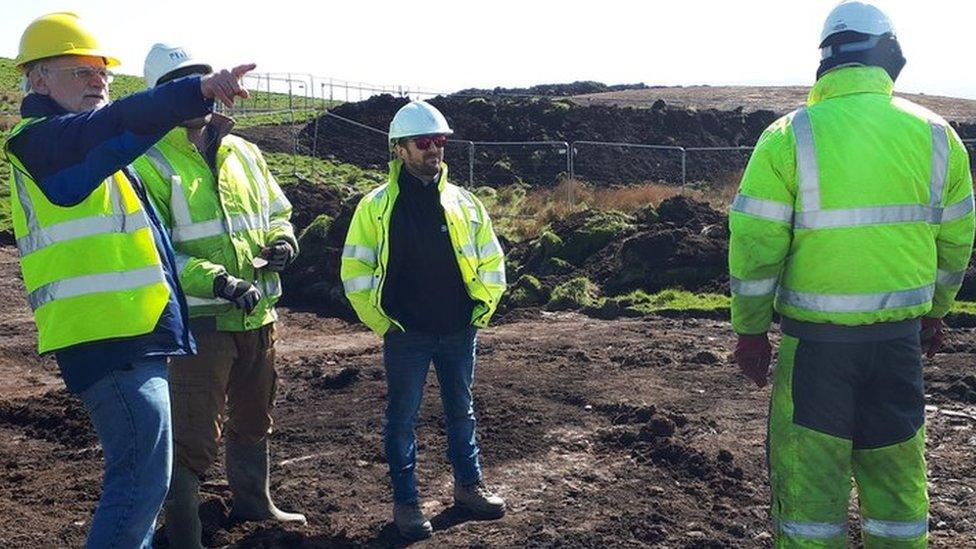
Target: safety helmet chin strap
[859, 49]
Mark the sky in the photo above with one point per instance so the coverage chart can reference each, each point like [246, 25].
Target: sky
[450, 45]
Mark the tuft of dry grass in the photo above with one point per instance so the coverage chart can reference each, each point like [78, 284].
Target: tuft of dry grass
[529, 216]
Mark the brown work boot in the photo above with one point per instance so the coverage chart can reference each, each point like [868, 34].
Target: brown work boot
[479, 500]
[411, 522]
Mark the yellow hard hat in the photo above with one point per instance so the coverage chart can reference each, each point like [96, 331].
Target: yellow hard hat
[57, 34]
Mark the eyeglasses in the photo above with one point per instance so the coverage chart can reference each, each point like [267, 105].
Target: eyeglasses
[85, 73]
[425, 141]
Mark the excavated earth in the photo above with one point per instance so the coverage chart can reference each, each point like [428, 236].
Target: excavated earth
[689, 117]
[620, 433]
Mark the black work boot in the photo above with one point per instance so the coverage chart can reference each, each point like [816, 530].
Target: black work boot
[247, 474]
[182, 510]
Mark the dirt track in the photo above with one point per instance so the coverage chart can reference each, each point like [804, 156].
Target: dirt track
[599, 433]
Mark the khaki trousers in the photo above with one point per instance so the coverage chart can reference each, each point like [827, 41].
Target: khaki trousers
[228, 385]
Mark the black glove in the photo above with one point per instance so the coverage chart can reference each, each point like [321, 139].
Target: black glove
[278, 255]
[241, 293]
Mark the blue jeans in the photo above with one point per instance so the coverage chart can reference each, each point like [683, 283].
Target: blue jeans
[130, 411]
[406, 358]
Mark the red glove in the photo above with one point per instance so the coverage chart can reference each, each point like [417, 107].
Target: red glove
[932, 336]
[753, 355]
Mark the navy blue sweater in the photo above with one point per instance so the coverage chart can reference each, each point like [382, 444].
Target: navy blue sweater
[69, 155]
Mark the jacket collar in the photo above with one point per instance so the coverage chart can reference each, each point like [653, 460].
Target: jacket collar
[396, 165]
[850, 80]
[219, 126]
[36, 105]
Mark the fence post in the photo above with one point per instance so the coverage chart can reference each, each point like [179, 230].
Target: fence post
[471, 164]
[569, 159]
[294, 152]
[572, 160]
[684, 167]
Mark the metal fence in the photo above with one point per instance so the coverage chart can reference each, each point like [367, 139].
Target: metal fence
[273, 91]
[608, 163]
[542, 163]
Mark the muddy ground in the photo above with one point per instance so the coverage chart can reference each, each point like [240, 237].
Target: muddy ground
[633, 432]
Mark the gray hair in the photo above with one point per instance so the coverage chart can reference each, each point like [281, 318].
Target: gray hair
[25, 83]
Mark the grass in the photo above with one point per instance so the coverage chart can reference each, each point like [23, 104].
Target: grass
[248, 120]
[521, 211]
[264, 101]
[289, 169]
[672, 300]
[965, 307]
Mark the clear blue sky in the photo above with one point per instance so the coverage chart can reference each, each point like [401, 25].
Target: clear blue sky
[449, 45]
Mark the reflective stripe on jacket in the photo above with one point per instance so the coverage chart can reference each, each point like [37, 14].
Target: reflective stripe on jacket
[366, 253]
[94, 260]
[854, 210]
[219, 223]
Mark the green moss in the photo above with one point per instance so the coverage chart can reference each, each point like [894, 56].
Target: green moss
[573, 295]
[554, 266]
[560, 105]
[671, 300]
[511, 196]
[528, 292]
[486, 193]
[547, 245]
[600, 229]
[968, 307]
[317, 230]
[647, 215]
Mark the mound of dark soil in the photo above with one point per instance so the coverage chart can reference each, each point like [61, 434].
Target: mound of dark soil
[495, 119]
[574, 88]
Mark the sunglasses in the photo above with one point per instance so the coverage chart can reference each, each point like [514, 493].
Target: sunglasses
[424, 142]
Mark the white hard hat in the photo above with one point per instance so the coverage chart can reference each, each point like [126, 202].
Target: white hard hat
[418, 118]
[163, 59]
[856, 16]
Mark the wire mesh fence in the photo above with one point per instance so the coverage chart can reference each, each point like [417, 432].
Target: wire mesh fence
[302, 103]
[606, 163]
[715, 164]
[541, 163]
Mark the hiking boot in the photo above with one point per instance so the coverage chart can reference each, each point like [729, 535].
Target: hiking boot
[479, 500]
[410, 521]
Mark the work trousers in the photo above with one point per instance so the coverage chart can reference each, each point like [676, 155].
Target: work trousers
[841, 410]
[229, 386]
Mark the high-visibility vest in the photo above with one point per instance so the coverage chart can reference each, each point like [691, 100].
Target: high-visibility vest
[219, 221]
[92, 270]
[366, 252]
[854, 210]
